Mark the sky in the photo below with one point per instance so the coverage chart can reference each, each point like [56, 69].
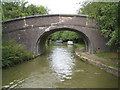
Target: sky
[59, 6]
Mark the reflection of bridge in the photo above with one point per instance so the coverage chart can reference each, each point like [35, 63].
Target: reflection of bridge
[32, 31]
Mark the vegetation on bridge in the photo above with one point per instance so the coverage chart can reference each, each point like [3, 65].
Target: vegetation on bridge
[107, 16]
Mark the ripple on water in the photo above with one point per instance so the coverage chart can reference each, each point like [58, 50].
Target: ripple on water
[13, 84]
[79, 70]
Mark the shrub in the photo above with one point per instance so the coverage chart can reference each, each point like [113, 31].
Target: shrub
[13, 53]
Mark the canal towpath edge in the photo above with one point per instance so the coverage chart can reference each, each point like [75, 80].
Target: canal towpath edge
[92, 59]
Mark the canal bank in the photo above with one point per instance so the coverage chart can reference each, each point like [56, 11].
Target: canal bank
[94, 60]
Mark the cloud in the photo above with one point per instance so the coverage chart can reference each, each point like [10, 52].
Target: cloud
[59, 6]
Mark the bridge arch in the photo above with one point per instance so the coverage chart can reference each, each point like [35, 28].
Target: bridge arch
[32, 31]
[40, 45]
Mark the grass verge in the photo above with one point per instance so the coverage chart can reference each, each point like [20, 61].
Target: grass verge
[79, 46]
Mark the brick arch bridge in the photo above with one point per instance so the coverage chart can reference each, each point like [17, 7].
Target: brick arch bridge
[32, 31]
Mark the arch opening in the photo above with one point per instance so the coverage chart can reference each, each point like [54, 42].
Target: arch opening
[41, 47]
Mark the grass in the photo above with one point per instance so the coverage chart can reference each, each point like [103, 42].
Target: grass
[110, 64]
[79, 45]
[110, 56]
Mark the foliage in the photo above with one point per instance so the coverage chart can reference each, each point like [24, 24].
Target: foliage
[65, 36]
[13, 53]
[106, 15]
[12, 10]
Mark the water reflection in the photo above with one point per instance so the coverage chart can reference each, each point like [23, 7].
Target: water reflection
[70, 46]
[58, 68]
[62, 63]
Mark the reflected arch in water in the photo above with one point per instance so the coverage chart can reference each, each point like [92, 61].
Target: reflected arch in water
[40, 45]
[62, 62]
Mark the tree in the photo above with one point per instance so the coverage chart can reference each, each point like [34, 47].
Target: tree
[106, 15]
[65, 36]
[19, 9]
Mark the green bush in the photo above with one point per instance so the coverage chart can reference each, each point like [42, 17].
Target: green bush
[13, 53]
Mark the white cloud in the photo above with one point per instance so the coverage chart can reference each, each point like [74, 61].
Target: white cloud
[59, 6]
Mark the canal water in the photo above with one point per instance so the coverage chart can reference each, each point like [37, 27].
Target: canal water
[58, 68]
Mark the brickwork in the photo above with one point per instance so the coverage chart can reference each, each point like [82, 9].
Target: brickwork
[33, 31]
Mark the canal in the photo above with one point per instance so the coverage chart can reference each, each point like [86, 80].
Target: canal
[57, 68]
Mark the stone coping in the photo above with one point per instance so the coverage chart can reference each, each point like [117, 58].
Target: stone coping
[46, 15]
